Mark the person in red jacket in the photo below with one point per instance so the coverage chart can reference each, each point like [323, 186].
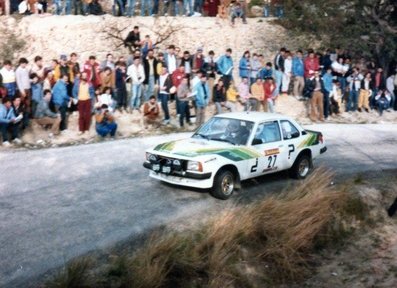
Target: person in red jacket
[91, 67]
[269, 86]
[311, 64]
[177, 76]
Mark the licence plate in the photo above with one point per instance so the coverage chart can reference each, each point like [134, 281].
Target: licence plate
[166, 169]
[156, 167]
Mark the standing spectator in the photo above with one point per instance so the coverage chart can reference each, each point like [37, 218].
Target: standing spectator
[255, 67]
[269, 88]
[147, 45]
[177, 78]
[23, 84]
[219, 96]
[287, 72]
[106, 98]
[9, 79]
[44, 116]
[120, 8]
[155, 7]
[151, 76]
[84, 95]
[7, 122]
[108, 62]
[183, 93]
[160, 64]
[202, 93]
[266, 72]
[91, 67]
[225, 67]
[73, 63]
[137, 75]
[151, 112]
[37, 91]
[327, 80]
[354, 86]
[278, 78]
[105, 124]
[315, 86]
[198, 60]
[188, 7]
[60, 99]
[210, 68]
[298, 72]
[170, 59]
[339, 70]
[390, 89]
[335, 97]
[245, 65]
[258, 93]
[131, 9]
[379, 84]
[121, 89]
[146, 5]
[365, 93]
[38, 68]
[49, 81]
[107, 78]
[198, 6]
[187, 63]
[165, 84]
[279, 59]
[61, 69]
[175, 7]
[311, 63]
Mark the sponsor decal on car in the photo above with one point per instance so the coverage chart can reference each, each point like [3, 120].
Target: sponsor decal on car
[272, 151]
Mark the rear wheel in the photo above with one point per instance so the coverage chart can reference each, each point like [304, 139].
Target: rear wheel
[302, 167]
[224, 184]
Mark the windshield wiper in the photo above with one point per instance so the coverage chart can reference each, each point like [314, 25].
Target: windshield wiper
[223, 140]
[202, 136]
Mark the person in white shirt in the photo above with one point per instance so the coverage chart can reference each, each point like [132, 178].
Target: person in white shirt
[335, 97]
[170, 59]
[354, 81]
[287, 72]
[137, 75]
[106, 98]
[9, 79]
[390, 89]
[22, 75]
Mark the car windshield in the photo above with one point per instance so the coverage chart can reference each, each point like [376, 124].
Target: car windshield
[233, 131]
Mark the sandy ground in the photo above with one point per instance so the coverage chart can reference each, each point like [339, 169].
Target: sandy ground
[130, 125]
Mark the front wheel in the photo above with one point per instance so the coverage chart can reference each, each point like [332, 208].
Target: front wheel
[224, 185]
[302, 167]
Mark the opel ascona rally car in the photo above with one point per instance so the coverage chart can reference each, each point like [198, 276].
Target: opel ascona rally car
[233, 147]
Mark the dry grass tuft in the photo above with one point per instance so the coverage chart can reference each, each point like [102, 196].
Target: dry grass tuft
[266, 243]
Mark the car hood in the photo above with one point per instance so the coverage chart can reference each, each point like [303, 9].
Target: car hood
[189, 148]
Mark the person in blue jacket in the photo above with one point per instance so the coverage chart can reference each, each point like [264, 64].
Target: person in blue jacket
[225, 67]
[60, 99]
[202, 93]
[245, 65]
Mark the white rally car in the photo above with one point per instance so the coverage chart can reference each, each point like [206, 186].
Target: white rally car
[233, 147]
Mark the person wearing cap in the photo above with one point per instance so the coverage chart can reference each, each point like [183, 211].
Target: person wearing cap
[63, 69]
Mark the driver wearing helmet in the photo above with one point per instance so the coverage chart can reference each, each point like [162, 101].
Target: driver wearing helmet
[236, 133]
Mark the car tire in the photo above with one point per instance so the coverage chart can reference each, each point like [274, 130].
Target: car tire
[302, 167]
[224, 184]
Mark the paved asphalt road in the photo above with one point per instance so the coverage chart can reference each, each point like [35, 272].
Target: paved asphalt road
[59, 203]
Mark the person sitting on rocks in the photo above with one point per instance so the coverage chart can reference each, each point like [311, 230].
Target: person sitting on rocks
[44, 116]
[105, 124]
[151, 112]
[237, 11]
[8, 121]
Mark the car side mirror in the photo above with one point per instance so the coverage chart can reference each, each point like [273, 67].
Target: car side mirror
[257, 141]
[295, 134]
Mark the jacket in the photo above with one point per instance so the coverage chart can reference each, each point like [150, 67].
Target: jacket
[43, 110]
[327, 79]
[37, 92]
[310, 86]
[167, 84]
[146, 68]
[120, 79]
[298, 68]
[76, 87]
[269, 89]
[202, 93]
[257, 91]
[93, 78]
[5, 114]
[210, 67]
[137, 74]
[225, 65]
[219, 95]
[60, 95]
[311, 64]
[60, 71]
[244, 67]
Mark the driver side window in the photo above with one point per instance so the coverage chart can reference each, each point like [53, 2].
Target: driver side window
[289, 130]
[266, 133]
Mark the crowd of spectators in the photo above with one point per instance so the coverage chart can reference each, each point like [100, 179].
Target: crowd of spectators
[211, 8]
[149, 81]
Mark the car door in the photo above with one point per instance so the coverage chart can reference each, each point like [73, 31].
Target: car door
[267, 142]
[291, 138]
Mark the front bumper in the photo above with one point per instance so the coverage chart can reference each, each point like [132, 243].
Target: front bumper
[181, 174]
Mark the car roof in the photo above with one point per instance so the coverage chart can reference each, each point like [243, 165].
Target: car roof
[253, 116]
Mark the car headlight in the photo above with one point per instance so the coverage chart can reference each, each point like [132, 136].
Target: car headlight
[194, 166]
[177, 164]
[151, 157]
